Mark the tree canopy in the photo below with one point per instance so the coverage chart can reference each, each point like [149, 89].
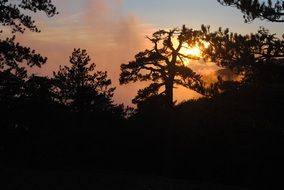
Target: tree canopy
[164, 66]
[14, 15]
[80, 87]
[265, 10]
[15, 18]
[247, 55]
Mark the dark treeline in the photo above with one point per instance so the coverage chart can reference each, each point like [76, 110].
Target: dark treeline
[233, 135]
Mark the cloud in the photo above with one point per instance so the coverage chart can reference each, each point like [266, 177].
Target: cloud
[110, 36]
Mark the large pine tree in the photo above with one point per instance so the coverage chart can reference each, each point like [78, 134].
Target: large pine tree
[164, 65]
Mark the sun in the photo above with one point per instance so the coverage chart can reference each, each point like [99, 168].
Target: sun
[192, 51]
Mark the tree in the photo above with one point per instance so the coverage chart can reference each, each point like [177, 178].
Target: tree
[11, 85]
[39, 89]
[80, 87]
[12, 53]
[252, 55]
[252, 9]
[14, 17]
[13, 14]
[164, 65]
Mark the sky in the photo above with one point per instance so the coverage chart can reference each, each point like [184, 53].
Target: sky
[113, 31]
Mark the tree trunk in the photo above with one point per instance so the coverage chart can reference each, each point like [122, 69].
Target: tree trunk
[169, 156]
[169, 92]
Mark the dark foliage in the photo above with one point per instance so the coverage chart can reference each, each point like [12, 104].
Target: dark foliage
[250, 56]
[82, 89]
[164, 65]
[13, 13]
[14, 16]
[265, 10]
[81, 80]
[12, 54]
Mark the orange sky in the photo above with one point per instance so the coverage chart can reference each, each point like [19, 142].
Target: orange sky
[110, 37]
[110, 34]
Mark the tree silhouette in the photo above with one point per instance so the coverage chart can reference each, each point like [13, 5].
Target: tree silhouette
[39, 89]
[248, 55]
[252, 9]
[14, 15]
[80, 87]
[11, 91]
[164, 65]
[12, 53]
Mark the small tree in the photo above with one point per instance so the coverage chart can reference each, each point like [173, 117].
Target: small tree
[252, 9]
[163, 65]
[80, 87]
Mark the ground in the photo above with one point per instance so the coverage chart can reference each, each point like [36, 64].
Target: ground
[22, 179]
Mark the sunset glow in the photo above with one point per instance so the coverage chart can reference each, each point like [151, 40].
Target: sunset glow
[113, 32]
[192, 51]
